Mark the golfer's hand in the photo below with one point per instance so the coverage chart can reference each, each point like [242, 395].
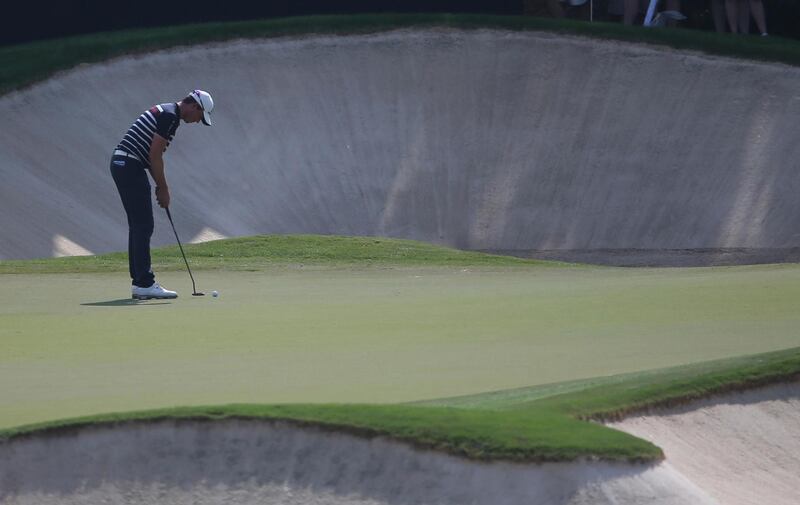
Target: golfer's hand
[162, 196]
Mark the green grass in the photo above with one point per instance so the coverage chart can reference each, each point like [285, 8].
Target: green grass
[543, 423]
[306, 321]
[539, 429]
[259, 252]
[73, 343]
[611, 398]
[481, 435]
[24, 64]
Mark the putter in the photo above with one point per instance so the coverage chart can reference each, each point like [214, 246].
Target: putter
[194, 289]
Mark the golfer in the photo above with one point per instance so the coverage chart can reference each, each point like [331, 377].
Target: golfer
[142, 149]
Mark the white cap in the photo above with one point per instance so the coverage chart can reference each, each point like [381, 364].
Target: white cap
[205, 102]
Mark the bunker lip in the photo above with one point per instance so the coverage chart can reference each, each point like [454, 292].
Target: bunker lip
[727, 390]
[164, 460]
[169, 461]
[703, 257]
[143, 419]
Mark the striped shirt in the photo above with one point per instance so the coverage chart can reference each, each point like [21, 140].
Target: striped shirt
[163, 119]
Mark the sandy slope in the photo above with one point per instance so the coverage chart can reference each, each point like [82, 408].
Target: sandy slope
[248, 462]
[743, 449]
[477, 139]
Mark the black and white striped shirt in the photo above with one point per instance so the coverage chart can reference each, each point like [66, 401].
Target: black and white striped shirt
[162, 119]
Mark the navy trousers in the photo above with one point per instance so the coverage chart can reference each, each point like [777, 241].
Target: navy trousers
[134, 190]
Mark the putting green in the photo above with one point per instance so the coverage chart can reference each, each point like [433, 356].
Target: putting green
[74, 345]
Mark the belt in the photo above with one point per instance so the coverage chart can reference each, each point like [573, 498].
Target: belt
[119, 152]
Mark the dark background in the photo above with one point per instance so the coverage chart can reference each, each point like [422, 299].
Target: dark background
[35, 20]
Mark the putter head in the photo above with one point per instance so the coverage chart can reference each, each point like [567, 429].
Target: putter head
[198, 293]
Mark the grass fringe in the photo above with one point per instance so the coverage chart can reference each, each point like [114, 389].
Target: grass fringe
[658, 406]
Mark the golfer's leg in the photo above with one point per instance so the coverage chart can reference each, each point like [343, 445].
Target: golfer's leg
[134, 191]
[141, 212]
[123, 180]
[131, 266]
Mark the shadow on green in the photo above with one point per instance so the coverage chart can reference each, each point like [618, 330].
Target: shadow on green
[122, 302]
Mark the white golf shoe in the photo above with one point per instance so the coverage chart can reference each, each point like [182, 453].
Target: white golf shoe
[156, 291]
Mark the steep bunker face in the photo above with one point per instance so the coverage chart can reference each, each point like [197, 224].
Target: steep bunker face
[252, 462]
[480, 139]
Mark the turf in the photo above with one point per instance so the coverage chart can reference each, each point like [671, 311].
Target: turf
[611, 398]
[385, 321]
[374, 333]
[24, 64]
[539, 430]
[265, 251]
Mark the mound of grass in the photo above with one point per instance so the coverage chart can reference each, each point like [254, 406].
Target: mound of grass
[537, 425]
[611, 398]
[474, 434]
[263, 251]
[24, 64]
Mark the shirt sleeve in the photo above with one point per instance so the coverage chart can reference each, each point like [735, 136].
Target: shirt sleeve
[164, 122]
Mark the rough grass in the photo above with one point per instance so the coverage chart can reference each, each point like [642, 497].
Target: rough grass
[263, 251]
[24, 64]
[545, 426]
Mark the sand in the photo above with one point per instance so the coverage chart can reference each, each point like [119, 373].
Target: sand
[480, 139]
[251, 462]
[742, 449]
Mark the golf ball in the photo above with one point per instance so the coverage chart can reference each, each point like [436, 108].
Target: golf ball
[215, 294]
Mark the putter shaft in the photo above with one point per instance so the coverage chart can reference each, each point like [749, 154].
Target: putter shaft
[194, 289]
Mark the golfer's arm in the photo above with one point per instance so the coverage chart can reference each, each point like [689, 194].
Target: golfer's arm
[157, 149]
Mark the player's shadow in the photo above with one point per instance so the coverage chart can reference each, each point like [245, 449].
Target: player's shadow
[124, 302]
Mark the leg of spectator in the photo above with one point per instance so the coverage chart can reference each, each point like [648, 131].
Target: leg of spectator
[733, 15]
[555, 8]
[630, 12]
[744, 17]
[718, 13]
[757, 8]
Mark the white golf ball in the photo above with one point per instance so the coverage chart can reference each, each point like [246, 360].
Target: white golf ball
[215, 294]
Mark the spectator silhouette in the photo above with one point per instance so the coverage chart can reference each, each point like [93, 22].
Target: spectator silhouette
[739, 11]
[718, 14]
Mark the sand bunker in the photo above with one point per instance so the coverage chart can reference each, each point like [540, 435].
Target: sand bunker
[742, 449]
[250, 462]
[736, 449]
[479, 139]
